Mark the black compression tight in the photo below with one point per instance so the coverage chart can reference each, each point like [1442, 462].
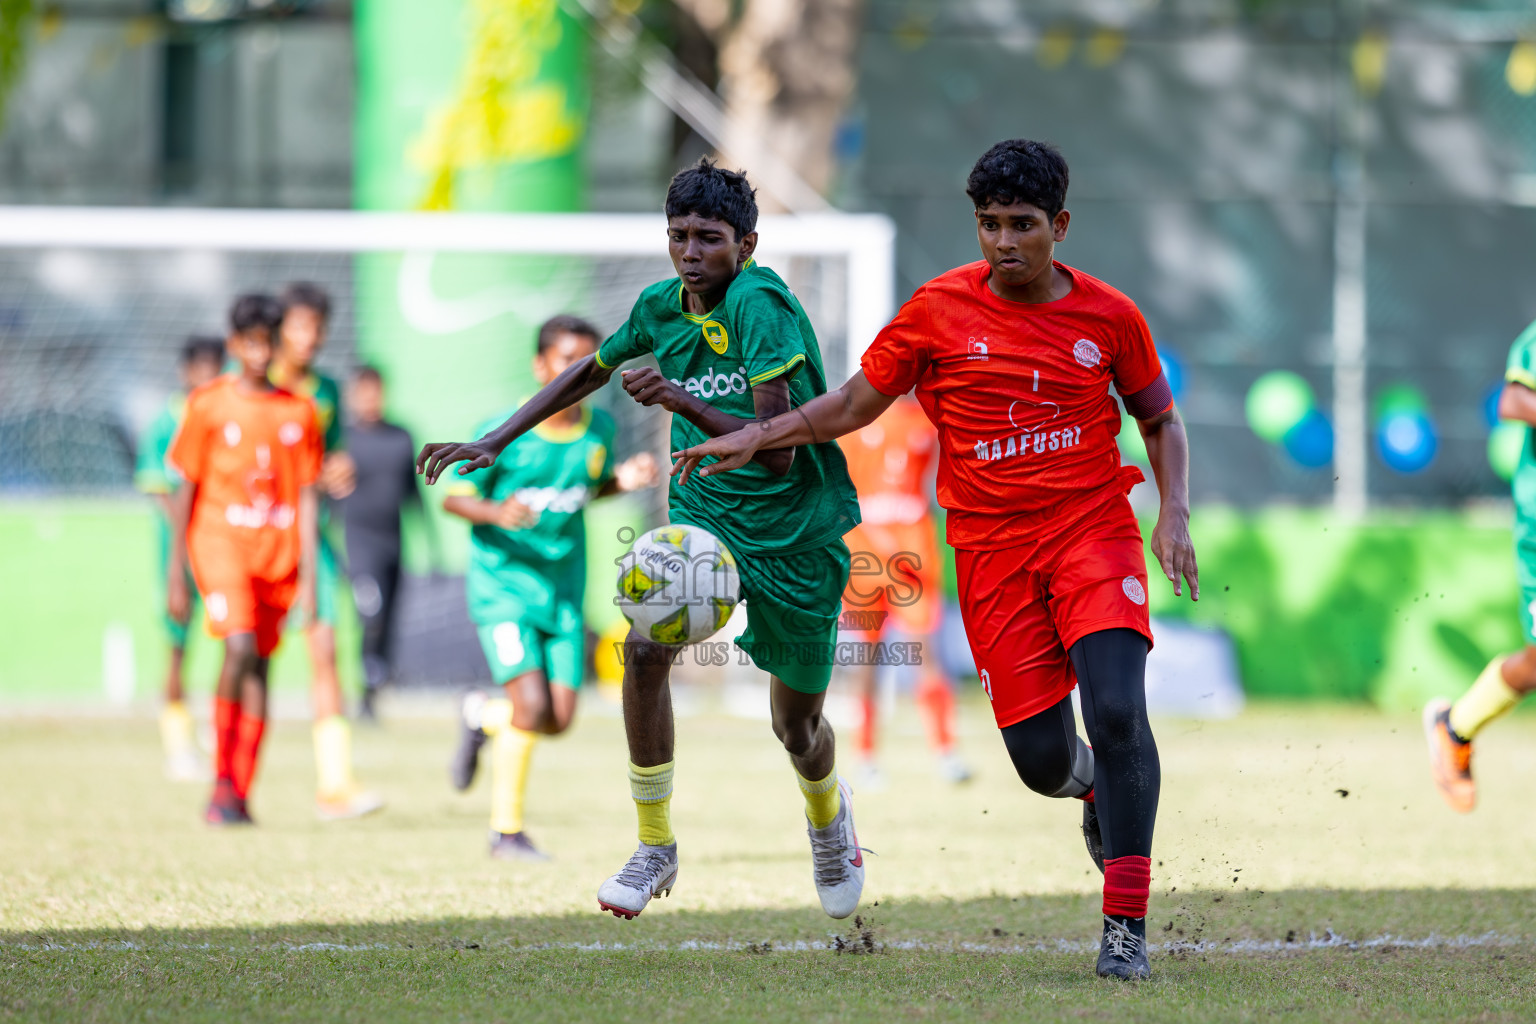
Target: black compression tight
[1125, 773]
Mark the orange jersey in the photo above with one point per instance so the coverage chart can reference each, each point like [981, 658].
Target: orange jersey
[249, 454]
[889, 462]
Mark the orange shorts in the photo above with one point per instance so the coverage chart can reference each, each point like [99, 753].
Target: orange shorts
[1024, 607]
[237, 601]
[894, 578]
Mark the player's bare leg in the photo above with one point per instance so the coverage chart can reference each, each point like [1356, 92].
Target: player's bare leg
[182, 762]
[529, 707]
[337, 794]
[649, 730]
[837, 860]
[1449, 728]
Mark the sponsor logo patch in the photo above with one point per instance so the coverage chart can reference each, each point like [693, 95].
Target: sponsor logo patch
[231, 433]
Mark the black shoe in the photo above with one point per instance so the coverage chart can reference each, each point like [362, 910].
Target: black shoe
[1123, 949]
[515, 846]
[466, 759]
[367, 713]
[225, 808]
[1092, 836]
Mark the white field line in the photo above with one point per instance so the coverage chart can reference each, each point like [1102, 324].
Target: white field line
[1327, 941]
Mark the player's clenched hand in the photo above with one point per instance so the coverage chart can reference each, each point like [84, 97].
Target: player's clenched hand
[734, 450]
[637, 473]
[648, 387]
[338, 475]
[1175, 551]
[438, 456]
[178, 601]
[514, 515]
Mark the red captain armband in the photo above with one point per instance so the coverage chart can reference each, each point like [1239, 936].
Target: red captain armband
[1151, 400]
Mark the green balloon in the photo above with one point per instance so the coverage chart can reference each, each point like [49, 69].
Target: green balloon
[1397, 399]
[1277, 402]
[1505, 443]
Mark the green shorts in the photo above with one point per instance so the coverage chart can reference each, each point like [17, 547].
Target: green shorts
[327, 587]
[1525, 572]
[793, 603]
[515, 646]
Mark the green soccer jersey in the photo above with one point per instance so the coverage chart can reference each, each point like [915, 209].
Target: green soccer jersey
[525, 574]
[757, 334]
[1521, 369]
[151, 475]
[326, 394]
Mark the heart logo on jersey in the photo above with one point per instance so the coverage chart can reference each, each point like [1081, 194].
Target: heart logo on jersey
[1026, 415]
[714, 333]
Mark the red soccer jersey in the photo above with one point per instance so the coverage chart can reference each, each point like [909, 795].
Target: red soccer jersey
[1020, 395]
[249, 454]
[888, 461]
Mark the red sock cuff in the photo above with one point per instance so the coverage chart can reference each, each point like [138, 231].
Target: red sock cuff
[1087, 797]
[226, 721]
[1127, 880]
[247, 745]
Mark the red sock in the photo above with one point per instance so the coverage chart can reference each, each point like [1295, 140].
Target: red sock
[1087, 797]
[226, 723]
[937, 702]
[248, 743]
[1127, 881]
[865, 740]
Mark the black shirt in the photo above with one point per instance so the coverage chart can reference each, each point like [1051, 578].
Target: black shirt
[386, 478]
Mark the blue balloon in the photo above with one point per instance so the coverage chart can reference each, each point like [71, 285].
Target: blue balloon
[1491, 406]
[1407, 441]
[1173, 369]
[1310, 442]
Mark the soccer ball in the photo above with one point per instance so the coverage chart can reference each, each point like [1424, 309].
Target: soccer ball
[678, 585]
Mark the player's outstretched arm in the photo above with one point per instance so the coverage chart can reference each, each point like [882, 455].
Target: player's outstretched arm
[1168, 451]
[1517, 402]
[854, 405]
[648, 387]
[309, 549]
[582, 378]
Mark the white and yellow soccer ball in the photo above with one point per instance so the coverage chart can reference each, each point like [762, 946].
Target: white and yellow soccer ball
[678, 584]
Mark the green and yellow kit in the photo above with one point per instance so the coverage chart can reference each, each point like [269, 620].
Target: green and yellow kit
[525, 587]
[786, 532]
[151, 475]
[326, 394]
[1521, 369]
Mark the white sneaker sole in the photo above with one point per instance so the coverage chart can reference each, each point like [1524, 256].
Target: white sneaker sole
[664, 889]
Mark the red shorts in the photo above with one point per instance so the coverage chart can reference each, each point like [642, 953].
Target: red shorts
[895, 578]
[235, 600]
[1024, 607]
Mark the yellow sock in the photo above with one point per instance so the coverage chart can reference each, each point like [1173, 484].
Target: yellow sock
[333, 757]
[652, 790]
[822, 800]
[511, 753]
[495, 715]
[1489, 698]
[175, 728]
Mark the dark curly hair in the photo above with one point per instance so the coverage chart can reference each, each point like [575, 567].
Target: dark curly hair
[256, 310]
[1020, 171]
[308, 295]
[557, 326]
[712, 191]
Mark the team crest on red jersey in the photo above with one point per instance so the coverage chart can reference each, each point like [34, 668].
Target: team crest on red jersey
[1086, 352]
[1134, 590]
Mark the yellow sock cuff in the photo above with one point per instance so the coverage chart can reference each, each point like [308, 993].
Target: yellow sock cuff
[333, 757]
[1488, 698]
[496, 715]
[511, 757]
[176, 727]
[822, 799]
[652, 789]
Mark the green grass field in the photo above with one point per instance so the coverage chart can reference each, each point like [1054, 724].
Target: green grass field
[1306, 871]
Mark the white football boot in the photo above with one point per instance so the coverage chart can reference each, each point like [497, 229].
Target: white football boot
[651, 871]
[837, 859]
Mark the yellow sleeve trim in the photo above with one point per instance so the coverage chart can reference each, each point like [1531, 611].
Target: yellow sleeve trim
[1515, 375]
[778, 371]
[152, 483]
[459, 489]
[598, 355]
